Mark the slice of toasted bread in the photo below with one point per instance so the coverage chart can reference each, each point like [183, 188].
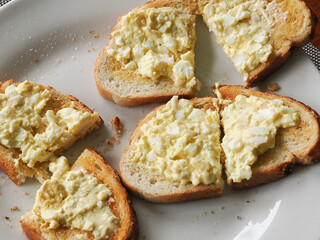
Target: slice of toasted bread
[295, 29]
[40, 171]
[299, 144]
[129, 87]
[156, 188]
[92, 163]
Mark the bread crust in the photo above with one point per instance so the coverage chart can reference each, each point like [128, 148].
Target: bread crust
[264, 172]
[300, 144]
[31, 233]
[58, 101]
[93, 163]
[258, 178]
[188, 193]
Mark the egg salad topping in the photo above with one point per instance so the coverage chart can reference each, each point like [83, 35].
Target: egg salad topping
[156, 42]
[181, 143]
[22, 120]
[250, 126]
[75, 199]
[243, 29]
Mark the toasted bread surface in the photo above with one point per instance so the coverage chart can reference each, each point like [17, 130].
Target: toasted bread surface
[299, 144]
[141, 182]
[93, 163]
[57, 102]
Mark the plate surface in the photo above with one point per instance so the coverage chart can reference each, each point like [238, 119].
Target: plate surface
[57, 34]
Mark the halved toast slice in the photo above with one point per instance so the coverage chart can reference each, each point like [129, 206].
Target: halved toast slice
[91, 163]
[299, 144]
[57, 101]
[154, 186]
[287, 23]
[130, 86]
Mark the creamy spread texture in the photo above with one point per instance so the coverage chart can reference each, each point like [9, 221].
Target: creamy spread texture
[181, 143]
[250, 126]
[21, 117]
[156, 42]
[76, 199]
[243, 29]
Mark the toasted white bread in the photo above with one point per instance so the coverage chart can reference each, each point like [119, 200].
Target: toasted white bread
[40, 170]
[295, 30]
[299, 144]
[93, 163]
[156, 188]
[130, 88]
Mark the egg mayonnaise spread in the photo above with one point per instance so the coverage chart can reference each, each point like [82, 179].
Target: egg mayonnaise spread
[180, 143]
[250, 126]
[36, 132]
[77, 200]
[243, 28]
[156, 42]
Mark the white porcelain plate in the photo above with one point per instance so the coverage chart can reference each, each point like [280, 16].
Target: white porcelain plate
[56, 33]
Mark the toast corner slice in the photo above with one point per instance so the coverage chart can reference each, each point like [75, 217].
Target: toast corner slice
[299, 144]
[129, 87]
[289, 23]
[93, 163]
[145, 185]
[8, 155]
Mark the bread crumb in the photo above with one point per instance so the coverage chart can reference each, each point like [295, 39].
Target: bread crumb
[115, 138]
[35, 59]
[91, 31]
[221, 207]
[96, 35]
[248, 201]
[273, 87]
[212, 212]
[89, 50]
[7, 218]
[239, 218]
[26, 193]
[15, 208]
[116, 125]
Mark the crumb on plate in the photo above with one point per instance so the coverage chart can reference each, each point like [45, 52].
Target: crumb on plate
[273, 87]
[15, 208]
[115, 138]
